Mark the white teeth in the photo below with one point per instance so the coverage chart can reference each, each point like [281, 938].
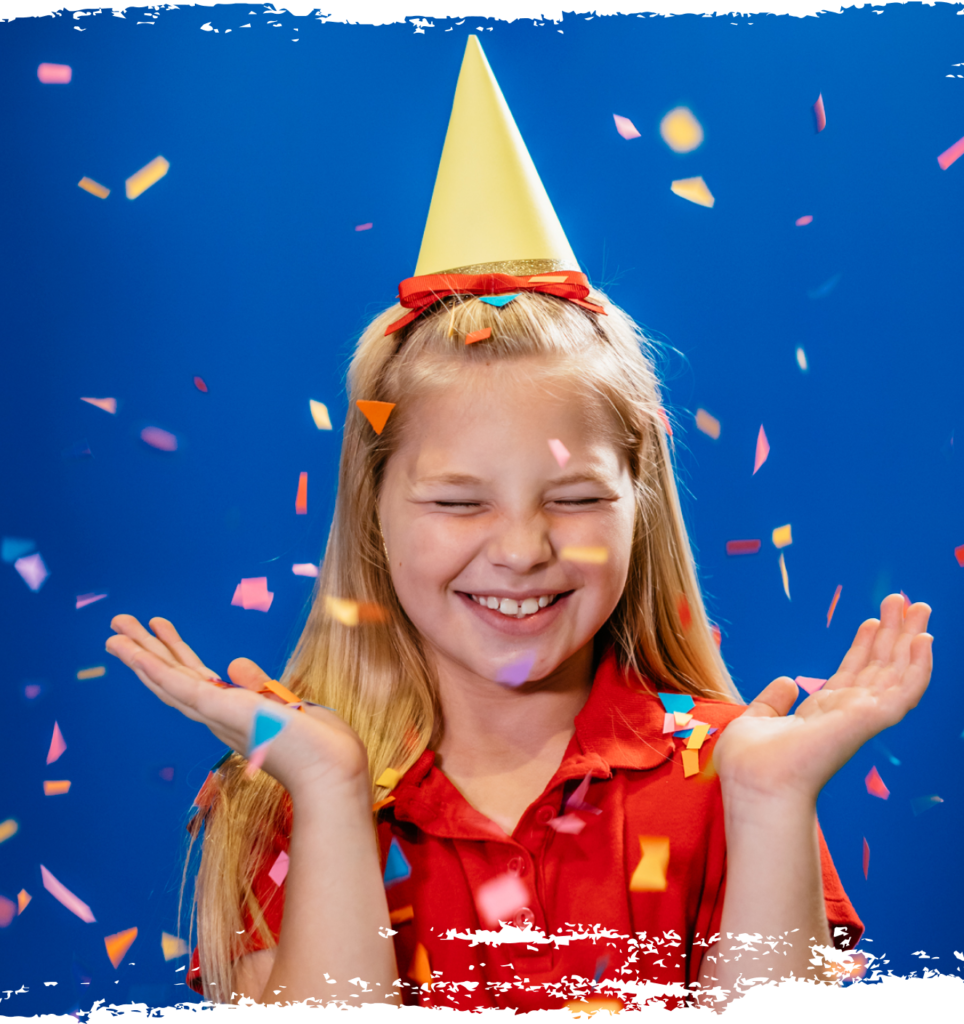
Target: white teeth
[508, 607]
[489, 602]
[544, 600]
[516, 609]
[530, 605]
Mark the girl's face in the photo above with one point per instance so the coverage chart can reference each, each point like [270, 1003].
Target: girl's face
[476, 513]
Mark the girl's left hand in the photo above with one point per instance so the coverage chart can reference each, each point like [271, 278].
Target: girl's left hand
[766, 753]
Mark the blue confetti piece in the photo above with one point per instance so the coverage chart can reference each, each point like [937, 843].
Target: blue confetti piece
[397, 868]
[267, 725]
[498, 300]
[14, 548]
[684, 733]
[681, 702]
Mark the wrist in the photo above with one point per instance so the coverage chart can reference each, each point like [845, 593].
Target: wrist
[743, 804]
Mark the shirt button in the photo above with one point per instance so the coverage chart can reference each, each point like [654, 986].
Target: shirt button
[516, 866]
[545, 814]
[524, 918]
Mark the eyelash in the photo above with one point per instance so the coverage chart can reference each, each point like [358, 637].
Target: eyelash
[583, 502]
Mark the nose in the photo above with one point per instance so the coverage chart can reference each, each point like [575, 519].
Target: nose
[520, 542]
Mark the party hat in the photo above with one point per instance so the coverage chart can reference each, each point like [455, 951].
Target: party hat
[489, 212]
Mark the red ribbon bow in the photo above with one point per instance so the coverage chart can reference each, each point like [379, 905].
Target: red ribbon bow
[418, 293]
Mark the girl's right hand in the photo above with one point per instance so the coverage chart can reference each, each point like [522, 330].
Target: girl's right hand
[316, 747]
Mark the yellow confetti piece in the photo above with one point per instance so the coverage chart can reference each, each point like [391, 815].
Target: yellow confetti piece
[549, 279]
[681, 131]
[23, 898]
[594, 556]
[420, 969]
[696, 737]
[389, 778]
[682, 719]
[94, 188]
[173, 946]
[710, 425]
[8, 828]
[693, 189]
[117, 945]
[56, 787]
[783, 573]
[150, 174]
[691, 762]
[345, 612]
[782, 537]
[650, 873]
[319, 413]
[92, 673]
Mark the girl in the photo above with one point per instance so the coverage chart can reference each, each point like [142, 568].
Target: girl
[520, 606]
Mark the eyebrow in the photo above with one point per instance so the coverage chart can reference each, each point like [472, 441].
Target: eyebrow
[467, 480]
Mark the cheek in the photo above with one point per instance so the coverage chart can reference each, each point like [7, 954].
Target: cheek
[429, 555]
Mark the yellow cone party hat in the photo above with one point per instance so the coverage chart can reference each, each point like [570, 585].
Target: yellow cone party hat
[490, 212]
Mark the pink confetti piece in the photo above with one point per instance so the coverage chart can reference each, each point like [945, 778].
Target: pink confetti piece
[950, 155]
[57, 745]
[200, 385]
[559, 452]
[802, 222]
[819, 114]
[33, 570]
[762, 450]
[163, 440]
[577, 801]
[8, 911]
[107, 404]
[664, 419]
[54, 74]
[500, 899]
[60, 892]
[625, 127]
[364, 227]
[305, 569]
[516, 672]
[253, 594]
[85, 599]
[279, 869]
[875, 784]
[833, 603]
[866, 857]
[567, 824]
[32, 690]
[669, 722]
[810, 684]
[256, 759]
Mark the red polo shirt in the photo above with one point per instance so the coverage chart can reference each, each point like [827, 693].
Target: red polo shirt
[584, 926]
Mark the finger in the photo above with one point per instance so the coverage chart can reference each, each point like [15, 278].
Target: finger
[128, 626]
[857, 658]
[166, 632]
[891, 624]
[916, 618]
[775, 700]
[913, 682]
[147, 667]
[246, 673]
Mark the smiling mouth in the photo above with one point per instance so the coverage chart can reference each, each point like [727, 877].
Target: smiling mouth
[513, 609]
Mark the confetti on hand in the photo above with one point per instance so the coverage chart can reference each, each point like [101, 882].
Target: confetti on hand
[561, 453]
[693, 189]
[681, 131]
[60, 892]
[150, 174]
[319, 413]
[650, 873]
[500, 899]
[253, 594]
[57, 745]
[810, 684]
[710, 425]
[376, 413]
[762, 450]
[875, 784]
[117, 945]
[107, 404]
[265, 727]
[625, 127]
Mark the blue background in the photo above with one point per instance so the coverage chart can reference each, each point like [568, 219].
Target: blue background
[243, 266]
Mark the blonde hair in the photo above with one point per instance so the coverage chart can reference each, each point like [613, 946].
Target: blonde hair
[377, 677]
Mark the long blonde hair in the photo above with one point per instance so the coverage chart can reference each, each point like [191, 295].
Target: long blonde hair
[377, 677]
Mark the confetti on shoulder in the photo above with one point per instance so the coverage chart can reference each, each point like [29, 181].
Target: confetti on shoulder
[592, 555]
[480, 335]
[376, 413]
[389, 778]
[693, 189]
[650, 873]
[93, 187]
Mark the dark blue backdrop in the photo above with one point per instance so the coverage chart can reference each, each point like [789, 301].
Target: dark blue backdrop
[243, 266]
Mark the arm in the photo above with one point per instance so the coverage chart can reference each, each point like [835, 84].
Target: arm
[772, 767]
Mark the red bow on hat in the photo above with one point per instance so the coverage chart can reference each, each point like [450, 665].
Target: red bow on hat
[418, 293]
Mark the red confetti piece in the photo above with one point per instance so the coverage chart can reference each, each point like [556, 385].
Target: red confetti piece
[162, 440]
[717, 635]
[875, 784]
[471, 339]
[802, 222]
[762, 450]
[866, 857]
[950, 155]
[833, 603]
[364, 227]
[200, 385]
[625, 127]
[301, 498]
[742, 547]
[664, 419]
[820, 114]
[54, 74]
[959, 555]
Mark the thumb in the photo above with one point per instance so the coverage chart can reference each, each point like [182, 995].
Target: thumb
[244, 672]
[774, 702]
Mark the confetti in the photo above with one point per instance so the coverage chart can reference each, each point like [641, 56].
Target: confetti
[924, 803]
[117, 945]
[717, 635]
[782, 536]
[560, 452]
[681, 719]
[691, 763]
[516, 672]
[500, 899]
[79, 450]
[664, 419]
[301, 498]
[305, 569]
[162, 440]
[253, 594]
[265, 726]
[364, 227]
[319, 413]
[950, 155]
[577, 799]
[710, 425]
[683, 612]
[693, 189]
[140, 181]
[32, 690]
[345, 612]
[833, 603]
[567, 824]
[742, 547]
[279, 870]
[8, 828]
[819, 114]
[592, 555]
[56, 787]
[802, 359]
[401, 915]
[33, 570]
[92, 673]
[85, 599]
[93, 187]
[107, 404]
[376, 413]
[669, 722]
[57, 745]
[823, 290]
[762, 450]
[810, 684]
[673, 702]
[697, 736]
[60, 892]
[866, 857]
[397, 868]
[906, 601]
[389, 778]
[480, 335]
[625, 127]
[875, 784]
[54, 74]
[13, 548]
[958, 554]
[167, 773]
[650, 873]
[498, 300]
[23, 898]
[420, 970]
[200, 385]
[784, 576]
[593, 1003]
[272, 686]
[681, 131]
[8, 911]
[802, 222]
[173, 946]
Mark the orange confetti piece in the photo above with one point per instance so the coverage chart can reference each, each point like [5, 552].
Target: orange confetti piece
[592, 555]
[150, 174]
[906, 601]
[595, 1003]
[92, 673]
[376, 413]
[107, 404]
[959, 555]
[650, 873]
[8, 911]
[56, 788]
[782, 536]
[696, 737]
[710, 425]
[420, 970]
[23, 898]
[273, 686]
[875, 784]
[93, 187]
[173, 946]
[8, 828]
[691, 762]
[54, 74]
[684, 613]
[401, 915]
[833, 603]
[301, 498]
[57, 745]
[784, 576]
[117, 945]
[382, 803]
[950, 155]
[480, 335]
[819, 114]
[625, 127]
[762, 450]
